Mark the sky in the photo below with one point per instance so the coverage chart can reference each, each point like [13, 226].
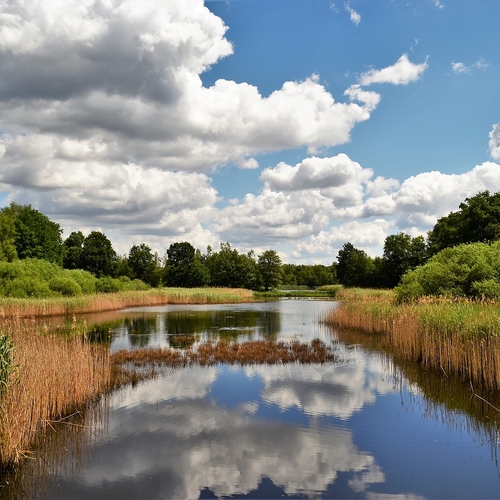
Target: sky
[292, 125]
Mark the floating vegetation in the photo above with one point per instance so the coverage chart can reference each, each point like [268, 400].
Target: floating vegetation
[222, 351]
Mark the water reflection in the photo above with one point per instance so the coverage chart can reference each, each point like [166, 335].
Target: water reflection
[362, 428]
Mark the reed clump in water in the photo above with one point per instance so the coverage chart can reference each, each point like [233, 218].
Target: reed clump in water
[459, 337]
[244, 353]
[54, 375]
[27, 308]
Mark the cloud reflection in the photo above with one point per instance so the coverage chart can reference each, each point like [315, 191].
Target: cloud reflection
[167, 442]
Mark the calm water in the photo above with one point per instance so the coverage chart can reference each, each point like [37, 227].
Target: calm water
[360, 428]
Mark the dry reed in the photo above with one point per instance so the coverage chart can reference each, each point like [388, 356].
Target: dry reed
[26, 308]
[244, 353]
[53, 376]
[457, 337]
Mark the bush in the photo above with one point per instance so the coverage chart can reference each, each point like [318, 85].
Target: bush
[467, 270]
[65, 286]
[108, 285]
[85, 279]
[27, 287]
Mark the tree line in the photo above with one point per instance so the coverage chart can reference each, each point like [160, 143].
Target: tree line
[26, 233]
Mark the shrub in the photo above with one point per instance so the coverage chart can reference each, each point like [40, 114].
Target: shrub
[85, 279]
[107, 285]
[65, 286]
[467, 270]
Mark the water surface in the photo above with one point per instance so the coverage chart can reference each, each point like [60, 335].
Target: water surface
[359, 428]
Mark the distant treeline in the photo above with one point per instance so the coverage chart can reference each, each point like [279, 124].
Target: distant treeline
[87, 264]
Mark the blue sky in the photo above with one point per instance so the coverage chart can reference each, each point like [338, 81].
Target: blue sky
[296, 125]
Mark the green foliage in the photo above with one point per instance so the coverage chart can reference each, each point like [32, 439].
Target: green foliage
[228, 268]
[98, 255]
[184, 267]
[36, 236]
[40, 279]
[73, 250]
[477, 220]
[106, 284]
[8, 250]
[86, 280]
[401, 253]
[308, 275]
[142, 264]
[467, 270]
[65, 286]
[355, 267]
[269, 265]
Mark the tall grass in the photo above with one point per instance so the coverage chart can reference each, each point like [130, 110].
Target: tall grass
[6, 362]
[459, 337]
[55, 375]
[10, 307]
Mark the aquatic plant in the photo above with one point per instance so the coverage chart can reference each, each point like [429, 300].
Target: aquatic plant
[460, 337]
[222, 351]
[6, 364]
[55, 375]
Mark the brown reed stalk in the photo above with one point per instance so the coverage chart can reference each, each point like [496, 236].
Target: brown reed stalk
[11, 308]
[244, 353]
[54, 376]
[458, 337]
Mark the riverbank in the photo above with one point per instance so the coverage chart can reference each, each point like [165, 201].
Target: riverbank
[455, 337]
[27, 308]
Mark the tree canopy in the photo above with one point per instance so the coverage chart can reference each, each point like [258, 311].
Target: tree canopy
[35, 235]
[477, 220]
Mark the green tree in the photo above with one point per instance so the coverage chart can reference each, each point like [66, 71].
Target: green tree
[98, 255]
[142, 264]
[401, 253]
[73, 250]
[228, 268]
[36, 236]
[8, 252]
[269, 264]
[184, 267]
[355, 267]
[477, 220]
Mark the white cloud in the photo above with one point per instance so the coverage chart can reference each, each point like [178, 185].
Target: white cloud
[315, 173]
[400, 73]
[104, 115]
[494, 143]
[459, 67]
[355, 16]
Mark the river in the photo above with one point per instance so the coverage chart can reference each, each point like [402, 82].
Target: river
[362, 427]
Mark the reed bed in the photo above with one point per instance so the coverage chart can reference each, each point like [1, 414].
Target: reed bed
[243, 353]
[457, 337]
[53, 376]
[26, 308]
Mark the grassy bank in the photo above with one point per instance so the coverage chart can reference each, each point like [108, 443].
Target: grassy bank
[26, 308]
[456, 337]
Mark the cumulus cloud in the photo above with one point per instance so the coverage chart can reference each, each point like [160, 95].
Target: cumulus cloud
[314, 173]
[401, 73]
[321, 203]
[494, 143]
[103, 113]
